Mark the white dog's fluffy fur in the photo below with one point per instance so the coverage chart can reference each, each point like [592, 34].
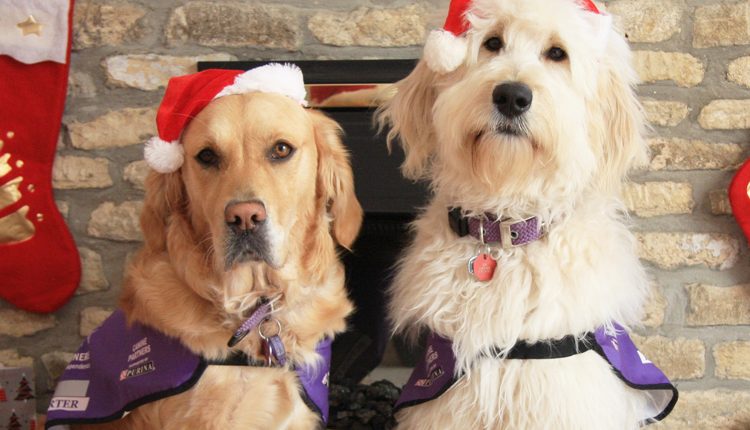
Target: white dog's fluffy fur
[584, 131]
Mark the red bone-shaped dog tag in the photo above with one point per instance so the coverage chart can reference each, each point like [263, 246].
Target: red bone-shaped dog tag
[482, 267]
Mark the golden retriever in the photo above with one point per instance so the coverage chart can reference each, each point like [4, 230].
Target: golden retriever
[265, 193]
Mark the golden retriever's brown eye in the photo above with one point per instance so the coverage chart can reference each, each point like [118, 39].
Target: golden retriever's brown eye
[208, 157]
[556, 54]
[281, 150]
[494, 44]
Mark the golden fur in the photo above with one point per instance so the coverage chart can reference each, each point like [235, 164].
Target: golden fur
[581, 134]
[182, 284]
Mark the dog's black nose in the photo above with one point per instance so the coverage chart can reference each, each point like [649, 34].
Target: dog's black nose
[512, 98]
[244, 216]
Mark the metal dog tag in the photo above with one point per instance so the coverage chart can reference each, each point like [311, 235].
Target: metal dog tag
[268, 352]
[277, 349]
[274, 347]
[482, 267]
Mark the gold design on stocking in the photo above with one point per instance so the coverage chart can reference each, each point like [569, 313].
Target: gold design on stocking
[4, 165]
[40, 217]
[31, 188]
[10, 192]
[15, 227]
[30, 26]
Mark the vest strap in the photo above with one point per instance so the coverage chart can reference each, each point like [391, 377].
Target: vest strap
[559, 348]
[237, 359]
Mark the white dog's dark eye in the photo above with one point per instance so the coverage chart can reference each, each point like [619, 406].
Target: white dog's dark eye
[281, 150]
[557, 54]
[208, 157]
[494, 44]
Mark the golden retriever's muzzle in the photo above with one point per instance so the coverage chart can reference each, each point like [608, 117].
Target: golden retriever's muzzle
[247, 233]
[512, 100]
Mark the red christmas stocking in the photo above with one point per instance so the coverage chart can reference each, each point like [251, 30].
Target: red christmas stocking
[39, 264]
[739, 197]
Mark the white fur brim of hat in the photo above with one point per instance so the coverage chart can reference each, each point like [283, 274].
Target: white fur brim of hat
[284, 79]
[444, 52]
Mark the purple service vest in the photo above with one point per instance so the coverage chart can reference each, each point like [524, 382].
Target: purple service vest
[120, 367]
[436, 372]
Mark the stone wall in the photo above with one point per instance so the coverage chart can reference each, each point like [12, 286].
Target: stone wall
[692, 55]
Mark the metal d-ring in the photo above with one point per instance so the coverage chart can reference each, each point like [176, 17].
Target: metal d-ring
[266, 336]
[486, 247]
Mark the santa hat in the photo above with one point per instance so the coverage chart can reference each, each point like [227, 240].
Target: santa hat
[187, 95]
[445, 49]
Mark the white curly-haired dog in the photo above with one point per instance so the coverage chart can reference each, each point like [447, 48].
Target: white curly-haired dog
[522, 116]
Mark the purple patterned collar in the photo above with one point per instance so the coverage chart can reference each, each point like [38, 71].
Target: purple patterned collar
[488, 229]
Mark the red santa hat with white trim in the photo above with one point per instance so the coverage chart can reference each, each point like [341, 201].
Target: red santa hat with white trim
[445, 49]
[187, 95]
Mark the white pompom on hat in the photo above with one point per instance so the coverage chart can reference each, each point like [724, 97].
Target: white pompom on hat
[187, 95]
[446, 48]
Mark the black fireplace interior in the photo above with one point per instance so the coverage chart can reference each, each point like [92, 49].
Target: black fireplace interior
[389, 201]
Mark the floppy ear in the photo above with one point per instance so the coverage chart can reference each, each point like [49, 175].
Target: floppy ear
[621, 126]
[165, 195]
[335, 181]
[409, 115]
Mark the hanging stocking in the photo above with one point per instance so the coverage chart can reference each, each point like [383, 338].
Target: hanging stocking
[39, 264]
[739, 197]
